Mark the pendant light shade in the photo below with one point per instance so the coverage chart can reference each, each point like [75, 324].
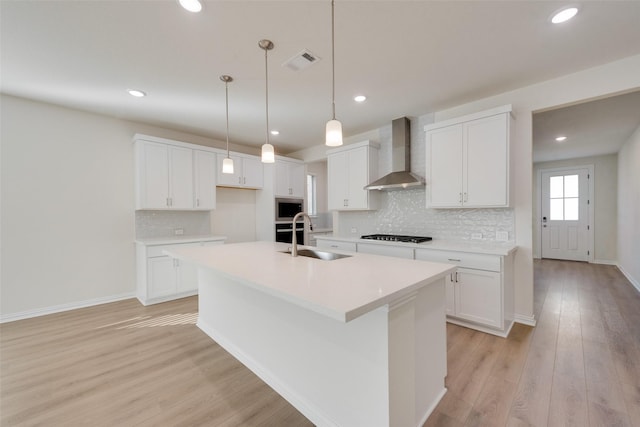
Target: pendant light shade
[268, 153]
[334, 127]
[227, 163]
[334, 133]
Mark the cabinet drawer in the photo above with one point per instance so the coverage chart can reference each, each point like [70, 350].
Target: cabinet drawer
[461, 259]
[156, 251]
[394, 251]
[341, 246]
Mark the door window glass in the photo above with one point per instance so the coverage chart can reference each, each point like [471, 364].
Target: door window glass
[563, 198]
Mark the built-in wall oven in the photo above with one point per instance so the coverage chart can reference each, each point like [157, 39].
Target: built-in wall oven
[284, 232]
[286, 209]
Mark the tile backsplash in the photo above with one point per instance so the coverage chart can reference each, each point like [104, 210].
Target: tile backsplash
[151, 224]
[404, 212]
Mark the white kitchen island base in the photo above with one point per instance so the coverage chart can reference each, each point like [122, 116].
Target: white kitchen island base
[383, 368]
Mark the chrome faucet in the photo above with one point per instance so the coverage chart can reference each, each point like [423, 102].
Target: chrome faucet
[294, 239]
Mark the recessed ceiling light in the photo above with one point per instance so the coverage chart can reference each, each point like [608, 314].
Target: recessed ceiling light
[137, 93]
[360, 98]
[564, 15]
[191, 5]
[275, 132]
[561, 138]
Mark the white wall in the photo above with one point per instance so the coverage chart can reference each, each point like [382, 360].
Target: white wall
[235, 215]
[629, 209]
[319, 169]
[67, 206]
[605, 203]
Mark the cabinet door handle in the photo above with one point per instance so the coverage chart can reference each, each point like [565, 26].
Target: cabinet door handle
[466, 198]
[198, 202]
[457, 277]
[239, 180]
[453, 259]
[460, 197]
[244, 180]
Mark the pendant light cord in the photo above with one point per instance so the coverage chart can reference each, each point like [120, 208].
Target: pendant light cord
[226, 92]
[333, 61]
[266, 90]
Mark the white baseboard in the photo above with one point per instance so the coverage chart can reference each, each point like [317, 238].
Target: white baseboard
[4, 318]
[525, 320]
[630, 278]
[604, 261]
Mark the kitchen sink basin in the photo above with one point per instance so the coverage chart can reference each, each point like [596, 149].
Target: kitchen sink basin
[313, 253]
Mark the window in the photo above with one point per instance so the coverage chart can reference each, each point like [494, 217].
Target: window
[312, 207]
[563, 198]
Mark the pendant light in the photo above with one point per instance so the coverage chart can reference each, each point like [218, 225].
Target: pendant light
[227, 163]
[334, 127]
[268, 154]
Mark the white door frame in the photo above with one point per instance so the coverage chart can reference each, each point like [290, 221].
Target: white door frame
[590, 206]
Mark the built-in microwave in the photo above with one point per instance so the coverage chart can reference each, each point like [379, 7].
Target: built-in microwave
[286, 209]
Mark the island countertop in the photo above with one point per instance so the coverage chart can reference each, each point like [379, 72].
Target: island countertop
[343, 289]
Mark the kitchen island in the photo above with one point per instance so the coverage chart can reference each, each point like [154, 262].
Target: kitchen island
[356, 341]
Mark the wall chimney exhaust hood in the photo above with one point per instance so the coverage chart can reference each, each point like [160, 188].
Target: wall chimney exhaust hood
[401, 176]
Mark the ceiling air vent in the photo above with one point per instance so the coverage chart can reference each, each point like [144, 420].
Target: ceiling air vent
[301, 60]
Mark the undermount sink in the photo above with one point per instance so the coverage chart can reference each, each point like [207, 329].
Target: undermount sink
[313, 253]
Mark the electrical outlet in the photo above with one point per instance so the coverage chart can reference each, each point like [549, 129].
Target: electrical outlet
[178, 231]
[354, 230]
[502, 236]
[476, 236]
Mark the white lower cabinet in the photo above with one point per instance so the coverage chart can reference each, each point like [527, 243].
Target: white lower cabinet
[386, 250]
[162, 278]
[480, 293]
[478, 296]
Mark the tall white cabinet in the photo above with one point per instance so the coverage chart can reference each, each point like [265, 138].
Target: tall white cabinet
[350, 169]
[468, 160]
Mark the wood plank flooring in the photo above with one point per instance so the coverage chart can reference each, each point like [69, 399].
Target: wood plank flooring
[128, 365]
[580, 366]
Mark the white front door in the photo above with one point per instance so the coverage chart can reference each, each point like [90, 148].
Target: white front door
[565, 214]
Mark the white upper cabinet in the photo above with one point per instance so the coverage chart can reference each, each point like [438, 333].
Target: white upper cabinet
[468, 161]
[164, 176]
[350, 169]
[248, 172]
[204, 179]
[290, 178]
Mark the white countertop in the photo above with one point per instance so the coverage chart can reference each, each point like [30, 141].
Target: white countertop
[472, 246]
[343, 289]
[153, 241]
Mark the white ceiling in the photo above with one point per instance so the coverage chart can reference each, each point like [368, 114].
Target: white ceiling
[592, 128]
[409, 57]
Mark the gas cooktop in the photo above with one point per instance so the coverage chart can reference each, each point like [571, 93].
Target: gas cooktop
[397, 238]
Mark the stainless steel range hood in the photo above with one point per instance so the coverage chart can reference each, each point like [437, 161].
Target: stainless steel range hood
[401, 176]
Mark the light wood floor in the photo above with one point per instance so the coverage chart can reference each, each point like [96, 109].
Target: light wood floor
[580, 366]
[128, 365]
